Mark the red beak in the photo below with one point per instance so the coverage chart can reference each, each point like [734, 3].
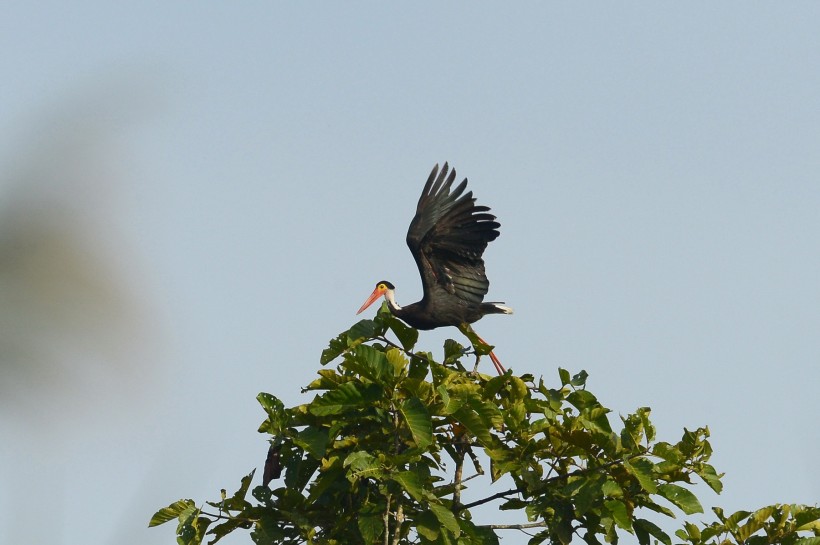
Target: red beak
[370, 300]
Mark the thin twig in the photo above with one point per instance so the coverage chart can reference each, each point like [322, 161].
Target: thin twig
[545, 481]
[228, 517]
[476, 463]
[514, 526]
[487, 499]
[394, 345]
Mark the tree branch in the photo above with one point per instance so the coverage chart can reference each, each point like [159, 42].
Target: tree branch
[514, 526]
[545, 481]
[386, 518]
[487, 499]
[399, 520]
[387, 341]
[457, 478]
[220, 516]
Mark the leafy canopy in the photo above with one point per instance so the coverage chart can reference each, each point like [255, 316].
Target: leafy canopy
[385, 449]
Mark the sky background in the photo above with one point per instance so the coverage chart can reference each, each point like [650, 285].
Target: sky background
[195, 197]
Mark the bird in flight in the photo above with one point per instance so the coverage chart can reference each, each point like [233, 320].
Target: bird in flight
[447, 237]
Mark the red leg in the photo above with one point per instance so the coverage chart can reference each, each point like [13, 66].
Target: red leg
[494, 358]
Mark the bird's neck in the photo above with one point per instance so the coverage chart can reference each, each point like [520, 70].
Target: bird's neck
[391, 301]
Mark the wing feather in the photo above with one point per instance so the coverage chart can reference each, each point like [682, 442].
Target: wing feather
[448, 236]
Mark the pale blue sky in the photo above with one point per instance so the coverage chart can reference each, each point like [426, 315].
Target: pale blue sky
[247, 172]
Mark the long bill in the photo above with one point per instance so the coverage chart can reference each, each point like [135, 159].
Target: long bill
[378, 292]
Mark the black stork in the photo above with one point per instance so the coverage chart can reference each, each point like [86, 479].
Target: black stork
[447, 238]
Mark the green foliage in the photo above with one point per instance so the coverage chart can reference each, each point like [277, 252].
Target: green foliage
[378, 456]
[772, 525]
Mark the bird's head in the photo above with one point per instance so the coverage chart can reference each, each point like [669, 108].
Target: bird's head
[383, 287]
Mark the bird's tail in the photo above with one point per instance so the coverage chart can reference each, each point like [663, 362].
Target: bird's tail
[495, 308]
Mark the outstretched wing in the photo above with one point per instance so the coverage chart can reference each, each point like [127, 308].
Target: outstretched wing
[448, 236]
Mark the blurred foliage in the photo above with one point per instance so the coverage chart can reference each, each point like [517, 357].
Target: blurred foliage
[380, 455]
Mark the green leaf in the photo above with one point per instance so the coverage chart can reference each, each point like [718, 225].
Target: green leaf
[808, 541]
[411, 483]
[587, 491]
[668, 452]
[452, 351]
[451, 403]
[324, 481]
[278, 416]
[681, 497]
[515, 416]
[646, 527]
[268, 530]
[361, 331]
[427, 525]
[488, 411]
[398, 360]
[474, 424]
[476, 535]
[244, 485]
[651, 505]
[494, 385]
[370, 522]
[619, 514]
[518, 388]
[361, 464]
[641, 469]
[692, 531]
[418, 420]
[187, 530]
[371, 363]
[582, 399]
[807, 518]
[220, 531]
[347, 396]
[755, 522]
[201, 528]
[563, 374]
[711, 477]
[406, 335]
[635, 426]
[272, 404]
[418, 367]
[337, 346]
[513, 504]
[445, 517]
[298, 471]
[612, 489]
[313, 440]
[171, 512]
[648, 427]
[579, 380]
[731, 522]
[595, 419]
[328, 379]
